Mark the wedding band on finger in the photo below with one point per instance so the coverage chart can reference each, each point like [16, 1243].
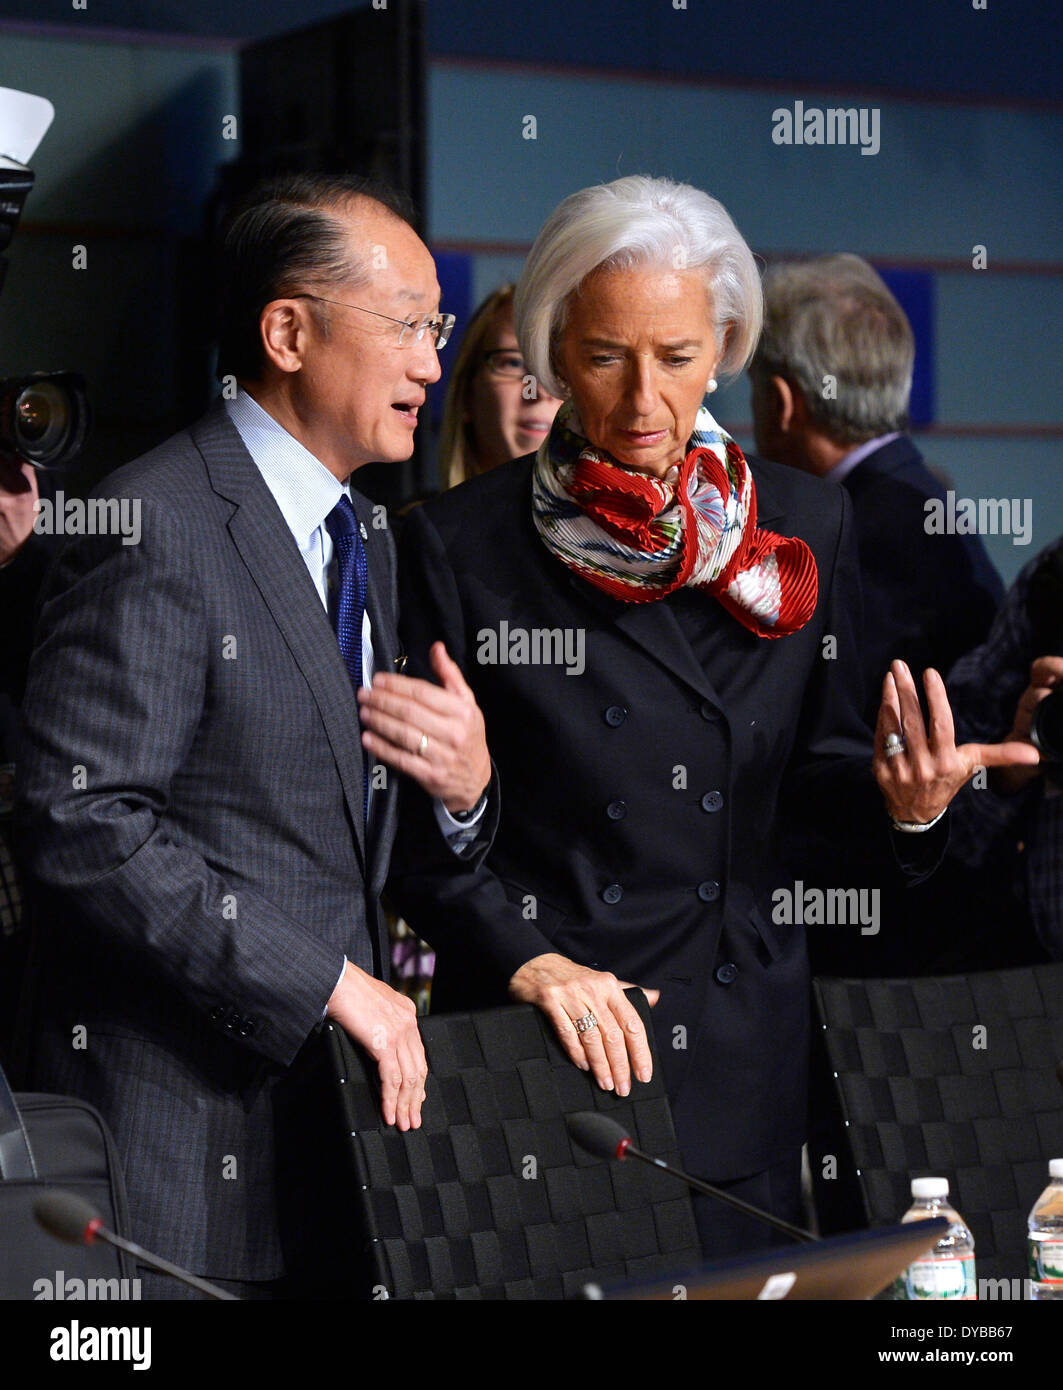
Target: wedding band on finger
[585, 1024]
[422, 747]
[894, 744]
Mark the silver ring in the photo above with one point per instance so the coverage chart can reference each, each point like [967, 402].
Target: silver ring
[422, 747]
[894, 744]
[585, 1024]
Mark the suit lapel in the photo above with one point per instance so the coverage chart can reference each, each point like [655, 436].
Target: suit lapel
[268, 549]
[655, 628]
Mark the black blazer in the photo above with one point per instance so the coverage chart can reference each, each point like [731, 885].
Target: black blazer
[639, 798]
[928, 599]
[209, 871]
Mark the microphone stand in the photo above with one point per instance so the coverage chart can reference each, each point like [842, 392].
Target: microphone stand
[100, 1232]
[626, 1147]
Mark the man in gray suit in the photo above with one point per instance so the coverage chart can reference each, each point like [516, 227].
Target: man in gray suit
[206, 816]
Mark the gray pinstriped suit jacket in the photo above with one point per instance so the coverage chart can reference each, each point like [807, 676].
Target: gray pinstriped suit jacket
[202, 879]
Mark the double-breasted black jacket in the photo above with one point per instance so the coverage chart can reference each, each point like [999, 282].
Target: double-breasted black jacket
[640, 797]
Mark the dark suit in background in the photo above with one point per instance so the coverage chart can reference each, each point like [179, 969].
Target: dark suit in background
[928, 598]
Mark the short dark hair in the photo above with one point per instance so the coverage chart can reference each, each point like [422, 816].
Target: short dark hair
[284, 236]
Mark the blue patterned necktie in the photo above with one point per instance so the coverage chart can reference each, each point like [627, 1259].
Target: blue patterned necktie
[342, 525]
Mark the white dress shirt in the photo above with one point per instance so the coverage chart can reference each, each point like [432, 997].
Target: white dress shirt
[306, 492]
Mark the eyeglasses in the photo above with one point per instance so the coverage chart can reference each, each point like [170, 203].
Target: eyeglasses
[505, 362]
[440, 328]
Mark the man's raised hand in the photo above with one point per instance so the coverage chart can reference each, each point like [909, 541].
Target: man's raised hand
[433, 733]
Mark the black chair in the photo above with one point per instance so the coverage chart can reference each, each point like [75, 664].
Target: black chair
[58, 1144]
[490, 1199]
[949, 1077]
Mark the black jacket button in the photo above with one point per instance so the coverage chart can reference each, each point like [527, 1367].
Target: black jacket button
[613, 893]
[727, 974]
[712, 801]
[709, 712]
[247, 1027]
[616, 810]
[216, 1014]
[615, 716]
[709, 891]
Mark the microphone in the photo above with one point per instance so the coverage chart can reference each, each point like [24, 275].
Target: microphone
[604, 1138]
[598, 1134]
[70, 1218]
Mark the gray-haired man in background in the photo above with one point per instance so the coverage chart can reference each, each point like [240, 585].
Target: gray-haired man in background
[831, 380]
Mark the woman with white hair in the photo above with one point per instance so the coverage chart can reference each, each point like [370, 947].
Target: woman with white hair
[659, 635]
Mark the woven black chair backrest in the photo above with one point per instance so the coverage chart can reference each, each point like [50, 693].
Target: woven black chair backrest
[490, 1199]
[954, 1077]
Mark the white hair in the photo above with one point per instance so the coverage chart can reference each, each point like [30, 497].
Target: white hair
[636, 221]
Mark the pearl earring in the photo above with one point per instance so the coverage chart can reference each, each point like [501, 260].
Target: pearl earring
[713, 383]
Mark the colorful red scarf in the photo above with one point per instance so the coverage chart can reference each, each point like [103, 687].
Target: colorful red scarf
[638, 537]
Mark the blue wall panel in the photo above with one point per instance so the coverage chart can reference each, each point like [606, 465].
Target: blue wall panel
[914, 291]
[454, 271]
[947, 178]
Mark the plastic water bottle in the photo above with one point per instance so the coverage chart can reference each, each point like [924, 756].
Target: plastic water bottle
[1044, 1244]
[946, 1271]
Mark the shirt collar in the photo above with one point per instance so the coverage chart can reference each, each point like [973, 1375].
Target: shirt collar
[846, 465]
[304, 489]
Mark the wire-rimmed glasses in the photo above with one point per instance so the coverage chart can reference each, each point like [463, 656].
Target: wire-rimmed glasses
[440, 326]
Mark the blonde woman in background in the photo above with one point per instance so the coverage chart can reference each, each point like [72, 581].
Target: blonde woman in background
[495, 409]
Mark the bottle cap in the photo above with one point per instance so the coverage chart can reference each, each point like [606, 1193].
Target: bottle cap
[924, 1188]
[1055, 1167]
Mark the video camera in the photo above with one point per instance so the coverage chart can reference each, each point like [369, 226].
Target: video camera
[44, 417]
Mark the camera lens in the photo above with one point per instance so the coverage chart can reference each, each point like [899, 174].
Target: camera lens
[39, 411]
[44, 418]
[1046, 727]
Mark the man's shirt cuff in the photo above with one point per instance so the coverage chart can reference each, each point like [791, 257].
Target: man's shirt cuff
[339, 977]
[459, 834]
